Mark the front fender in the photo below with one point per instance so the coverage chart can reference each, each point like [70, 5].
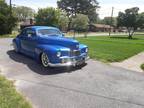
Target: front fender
[17, 42]
[51, 51]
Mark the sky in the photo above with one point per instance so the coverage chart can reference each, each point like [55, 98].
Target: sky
[104, 11]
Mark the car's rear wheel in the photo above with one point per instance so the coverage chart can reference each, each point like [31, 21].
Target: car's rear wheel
[44, 59]
[15, 47]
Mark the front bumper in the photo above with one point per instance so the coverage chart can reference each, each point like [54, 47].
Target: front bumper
[70, 61]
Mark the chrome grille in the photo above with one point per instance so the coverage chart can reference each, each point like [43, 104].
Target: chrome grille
[75, 53]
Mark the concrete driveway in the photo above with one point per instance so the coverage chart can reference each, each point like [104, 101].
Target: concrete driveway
[95, 85]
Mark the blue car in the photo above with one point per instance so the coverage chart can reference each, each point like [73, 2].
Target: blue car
[48, 46]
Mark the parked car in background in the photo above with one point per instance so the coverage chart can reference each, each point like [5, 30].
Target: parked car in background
[49, 46]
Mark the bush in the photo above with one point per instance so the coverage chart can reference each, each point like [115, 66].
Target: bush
[142, 66]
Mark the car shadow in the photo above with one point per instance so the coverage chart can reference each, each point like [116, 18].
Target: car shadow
[37, 67]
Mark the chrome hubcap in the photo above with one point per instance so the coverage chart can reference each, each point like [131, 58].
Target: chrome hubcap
[44, 59]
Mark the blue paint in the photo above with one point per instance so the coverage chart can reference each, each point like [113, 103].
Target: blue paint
[30, 43]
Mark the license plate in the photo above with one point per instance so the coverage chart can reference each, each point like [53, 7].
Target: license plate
[80, 62]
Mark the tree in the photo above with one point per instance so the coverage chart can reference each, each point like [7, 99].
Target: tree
[63, 21]
[140, 20]
[110, 21]
[80, 22]
[23, 12]
[48, 17]
[52, 17]
[129, 19]
[7, 19]
[74, 7]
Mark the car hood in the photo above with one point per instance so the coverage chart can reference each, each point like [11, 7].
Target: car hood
[61, 41]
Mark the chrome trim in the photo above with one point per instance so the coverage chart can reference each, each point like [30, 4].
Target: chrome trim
[75, 53]
[70, 63]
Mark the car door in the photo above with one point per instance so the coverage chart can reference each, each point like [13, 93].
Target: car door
[28, 41]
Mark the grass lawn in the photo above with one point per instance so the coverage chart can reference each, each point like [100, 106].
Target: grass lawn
[9, 98]
[113, 49]
[8, 35]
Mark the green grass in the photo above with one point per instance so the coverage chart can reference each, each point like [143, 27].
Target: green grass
[9, 97]
[113, 49]
[8, 35]
[142, 67]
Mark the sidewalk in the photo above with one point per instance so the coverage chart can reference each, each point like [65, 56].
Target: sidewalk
[132, 63]
[71, 34]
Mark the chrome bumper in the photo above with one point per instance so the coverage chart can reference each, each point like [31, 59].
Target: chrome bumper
[71, 62]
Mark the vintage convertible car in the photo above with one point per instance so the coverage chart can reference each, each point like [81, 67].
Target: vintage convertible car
[49, 46]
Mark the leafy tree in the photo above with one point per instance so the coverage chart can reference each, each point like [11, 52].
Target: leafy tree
[110, 21]
[63, 21]
[80, 22]
[52, 17]
[74, 7]
[7, 20]
[48, 17]
[140, 20]
[23, 12]
[130, 20]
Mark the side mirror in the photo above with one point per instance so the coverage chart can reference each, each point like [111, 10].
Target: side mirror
[31, 34]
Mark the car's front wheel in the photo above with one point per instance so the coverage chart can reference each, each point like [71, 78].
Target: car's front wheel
[44, 59]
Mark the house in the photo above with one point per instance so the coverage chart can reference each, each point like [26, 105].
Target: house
[100, 28]
[26, 23]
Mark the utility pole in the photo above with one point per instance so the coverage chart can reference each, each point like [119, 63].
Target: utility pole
[111, 20]
[10, 7]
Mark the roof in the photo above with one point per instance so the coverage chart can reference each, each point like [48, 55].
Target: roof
[101, 26]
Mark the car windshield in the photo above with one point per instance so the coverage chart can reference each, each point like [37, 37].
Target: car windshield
[50, 32]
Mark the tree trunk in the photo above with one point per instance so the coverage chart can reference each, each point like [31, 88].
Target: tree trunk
[130, 36]
[69, 24]
[131, 32]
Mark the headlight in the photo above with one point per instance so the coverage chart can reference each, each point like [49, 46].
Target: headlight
[86, 50]
[58, 54]
[77, 46]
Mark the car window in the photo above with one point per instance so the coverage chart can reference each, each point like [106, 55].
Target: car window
[49, 32]
[29, 32]
[23, 32]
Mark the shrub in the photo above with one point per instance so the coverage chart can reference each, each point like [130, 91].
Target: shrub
[142, 66]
